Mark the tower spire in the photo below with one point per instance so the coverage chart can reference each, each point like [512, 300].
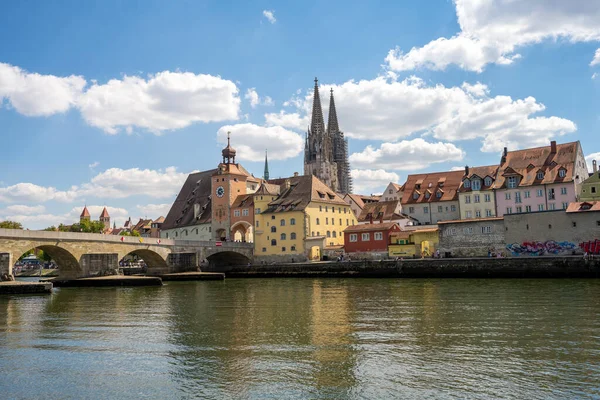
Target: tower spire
[266, 174]
[332, 121]
[317, 125]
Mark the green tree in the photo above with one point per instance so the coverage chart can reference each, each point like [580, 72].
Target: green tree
[132, 233]
[51, 228]
[10, 225]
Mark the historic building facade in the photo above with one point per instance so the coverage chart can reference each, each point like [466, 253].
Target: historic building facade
[476, 195]
[590, 188]
[326, 150]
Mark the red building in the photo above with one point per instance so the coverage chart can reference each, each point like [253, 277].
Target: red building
[369, 237]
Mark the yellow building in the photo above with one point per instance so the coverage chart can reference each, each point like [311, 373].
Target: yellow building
[297, 218]
[475, 194]
[414, 243]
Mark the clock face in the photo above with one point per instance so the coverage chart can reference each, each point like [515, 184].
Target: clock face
[220, 191]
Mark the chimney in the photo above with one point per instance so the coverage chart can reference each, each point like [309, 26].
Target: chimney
[553, 147]
[295, 174]
[504, 154]
[466, 170]
[381, 218]
[594, 166]
[370, 218]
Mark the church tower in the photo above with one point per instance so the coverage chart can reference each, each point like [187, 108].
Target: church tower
[105, 218]
[266, 173]
[326, 150]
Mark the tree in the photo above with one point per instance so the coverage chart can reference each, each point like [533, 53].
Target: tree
[132, 233]
[51, 228]
[10, 225]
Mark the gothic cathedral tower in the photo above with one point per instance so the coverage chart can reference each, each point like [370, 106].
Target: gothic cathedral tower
[326, 150]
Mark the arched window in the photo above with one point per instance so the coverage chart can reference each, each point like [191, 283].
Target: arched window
[293, 221]
[283, 237]
[176, 234]
[318, 222]
[273, 229]
[328, 233]
[282, 222]
[273, 242]
[334, 234]
[293, 236]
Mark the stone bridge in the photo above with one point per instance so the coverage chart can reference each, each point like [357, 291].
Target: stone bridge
[87, 254]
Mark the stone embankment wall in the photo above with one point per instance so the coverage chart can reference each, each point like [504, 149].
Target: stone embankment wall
[541, 267]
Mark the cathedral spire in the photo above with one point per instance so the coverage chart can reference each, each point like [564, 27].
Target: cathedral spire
[317, 125]
[332, 121]
[266, 174]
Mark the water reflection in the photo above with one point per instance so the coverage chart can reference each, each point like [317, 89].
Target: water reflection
[306, 338]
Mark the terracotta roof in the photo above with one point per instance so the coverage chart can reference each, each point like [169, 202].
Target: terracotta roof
[357, 199]
[370, 199]
[386, 209]
[267, 188]
[302, 190]
[104, 213]
[583, 206]
[460, 221]
[243, 200]
[528, 162]
[142, 224]
[195, 190]
[481, 172]
[85, 212]
[159, 220]
[371, 227]
[446, 183]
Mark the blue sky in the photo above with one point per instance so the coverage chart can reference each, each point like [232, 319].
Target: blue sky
[113, 103]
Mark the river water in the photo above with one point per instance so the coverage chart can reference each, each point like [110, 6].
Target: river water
[305, 339]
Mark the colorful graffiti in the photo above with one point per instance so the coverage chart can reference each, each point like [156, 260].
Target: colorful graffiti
[541, 248]
[591, 247]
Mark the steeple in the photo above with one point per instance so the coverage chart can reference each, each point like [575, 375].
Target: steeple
[317, 125]
[228, 152]
[266, 174]
[332, 121]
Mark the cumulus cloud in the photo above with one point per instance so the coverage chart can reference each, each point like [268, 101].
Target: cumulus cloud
[492, 31]
[255, 100]
[389, 110]
[34, 95]
[406, 155]
[591, 157]
[154, 210]
[32, 193]
[93, 165]
[251, 140]
[270, 15]
[23, 209]
[372, 180]
[596, 59]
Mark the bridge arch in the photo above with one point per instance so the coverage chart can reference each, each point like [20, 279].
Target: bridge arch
[227, 258]
[153, 260]
[242, 231]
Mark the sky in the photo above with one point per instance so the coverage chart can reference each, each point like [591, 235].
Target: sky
[112, 103]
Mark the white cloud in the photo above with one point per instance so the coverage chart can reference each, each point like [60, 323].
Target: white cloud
[154, 210]
[492, 31]
[368, 181]
[457, 168]
[596, 59]
[594, 75]
[255, 100]
[287, 120]
[94, 165]
[32, 193]
[42, 220]
[250, 141]
[390, 110]
[406, 155]
[270, 15]
[591, 157]
[24, 210]
[165, 101]
[33, 94]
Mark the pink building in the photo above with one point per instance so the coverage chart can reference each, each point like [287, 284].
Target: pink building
[539, 179]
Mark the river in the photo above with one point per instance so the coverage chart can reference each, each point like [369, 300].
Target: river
[305, 339]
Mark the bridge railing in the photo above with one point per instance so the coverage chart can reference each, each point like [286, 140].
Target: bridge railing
[224, 245]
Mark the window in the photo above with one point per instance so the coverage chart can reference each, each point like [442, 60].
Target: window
[563, 190]
[365, 237]
[257, 224]
[488, 213]
[438, 195]
[264, 249]
[283, 236]
[347, 224]
[486, 229]
[476, 198]
[440, 209]
[332, 221]
[328, 233]
[283, 249]
[540, 207]
[488, 181]
[273, 242]
[519, 209]
[551, 194]
[507, 195]
[562, 173]
[257, 211]
[427, 194]
[509, 210]
[282, 222]
[467, 199]
[344, 210]
[334, 234]
[468, 231]
[317, 221]
[540, 193]
[326, 209]
[487, 198]
[411, 210]
[527, 194]
[236, 213]
[511, 183]
[273, 229]
[340, 222]
[540, 175]
[451, 231]
[476, 184]
[552, 206]
[293, 248]
[378, 235]
[467, 183]
[593, 189]
[477, 214]
[293, 221]
[452, 208]
[415, 195]
[390, 191]
[468, 214]
[565, 205]
[527, 208]
[574, 224]
[353, 237]
[425, 210]
[326, 221]
[245, 212]
[517, 197]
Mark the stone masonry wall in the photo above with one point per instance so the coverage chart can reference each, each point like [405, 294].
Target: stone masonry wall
[469, 238]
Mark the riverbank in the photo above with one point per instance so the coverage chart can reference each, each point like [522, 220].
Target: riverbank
[539, 267]
[113, 280]
[46, 273]
[15, 287]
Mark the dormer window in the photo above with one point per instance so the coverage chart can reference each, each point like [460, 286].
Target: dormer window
[415, 195]
[487, 181]
[540, 175]
[427, 195]
[530, 166]
[511, 182]
[418, 186]
[562, 172]
[476, 184]
[438, 195]
[467, 183]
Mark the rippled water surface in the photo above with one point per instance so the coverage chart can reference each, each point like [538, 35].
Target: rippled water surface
[304, 339]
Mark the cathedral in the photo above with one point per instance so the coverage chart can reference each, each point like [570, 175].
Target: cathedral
[326, 150]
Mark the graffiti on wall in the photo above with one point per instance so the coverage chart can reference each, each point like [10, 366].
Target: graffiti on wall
[549, 247]
[591, 247]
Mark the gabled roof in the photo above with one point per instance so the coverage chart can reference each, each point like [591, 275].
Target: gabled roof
[372, 227]
[267, 188]
[243, 200]
[356, 199]
[583, 206]
[542, 159]
[195, 190]
[482, 173]
[104, 213]
[386, 209]
[159, 220]
[302, 191]
[450, 181]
